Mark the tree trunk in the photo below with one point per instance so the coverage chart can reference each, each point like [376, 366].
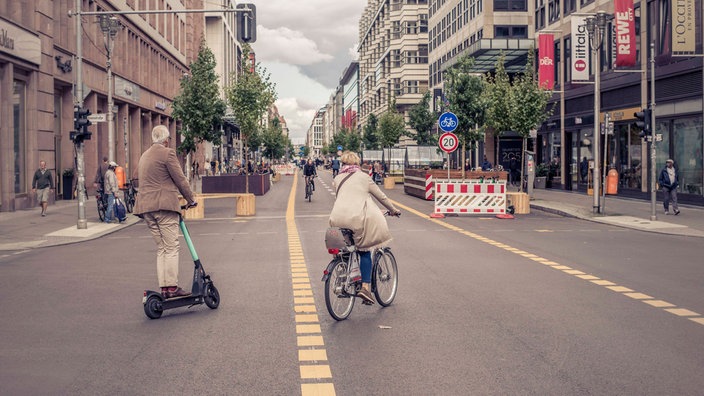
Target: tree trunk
[245, 163]
[464, 145]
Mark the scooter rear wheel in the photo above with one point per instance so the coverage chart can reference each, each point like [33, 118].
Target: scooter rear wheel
[152, 308]
[212, 296]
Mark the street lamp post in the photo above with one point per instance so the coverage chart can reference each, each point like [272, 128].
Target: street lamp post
[596, 25]
[110, 25]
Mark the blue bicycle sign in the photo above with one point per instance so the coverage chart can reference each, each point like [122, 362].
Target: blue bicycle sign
[447, 122]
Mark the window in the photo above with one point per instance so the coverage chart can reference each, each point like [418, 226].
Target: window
[423, 23]
[511, 5]
[569, 6]
[19, 146]
[539, 14]
[510, 31]
[553, 11]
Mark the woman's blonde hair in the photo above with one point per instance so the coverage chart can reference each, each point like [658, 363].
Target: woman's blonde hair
[349, 158]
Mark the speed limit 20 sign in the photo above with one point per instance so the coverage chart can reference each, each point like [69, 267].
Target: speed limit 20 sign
[448, 142]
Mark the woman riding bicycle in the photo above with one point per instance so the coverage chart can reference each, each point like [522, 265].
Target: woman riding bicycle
[355, 209]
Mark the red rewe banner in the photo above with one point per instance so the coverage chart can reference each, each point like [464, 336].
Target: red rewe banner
[546, 59]
[625, 26]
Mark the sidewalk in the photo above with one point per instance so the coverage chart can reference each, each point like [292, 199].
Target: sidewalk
[26, 229]
[621, 212]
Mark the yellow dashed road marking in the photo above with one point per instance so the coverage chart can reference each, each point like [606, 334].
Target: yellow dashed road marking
[316, 379]
[671, 308]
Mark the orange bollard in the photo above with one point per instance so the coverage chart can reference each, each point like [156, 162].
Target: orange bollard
[612, 182]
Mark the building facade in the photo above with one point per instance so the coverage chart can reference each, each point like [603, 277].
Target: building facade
[314, 136]
[350, 97]
[568, 136]
[393, 56]
[38, 72]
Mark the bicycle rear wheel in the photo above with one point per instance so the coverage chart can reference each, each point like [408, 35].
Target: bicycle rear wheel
[338, 302]
[309, 192]
[129, 200]
[101, 209]
[385, 277]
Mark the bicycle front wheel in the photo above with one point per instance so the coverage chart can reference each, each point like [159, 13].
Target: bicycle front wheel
[129, 201]
[338, 302]
[385, 277]
[101, 210]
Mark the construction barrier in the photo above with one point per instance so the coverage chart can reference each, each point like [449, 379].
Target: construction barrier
[470, 196]
[288, 169]
[420, 182]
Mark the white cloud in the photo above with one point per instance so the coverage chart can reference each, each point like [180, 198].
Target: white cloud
[288, 46]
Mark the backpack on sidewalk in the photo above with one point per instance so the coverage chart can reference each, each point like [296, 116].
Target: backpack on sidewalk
[120, 210]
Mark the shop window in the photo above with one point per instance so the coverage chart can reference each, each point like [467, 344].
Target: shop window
[19, 146]
[687, 153]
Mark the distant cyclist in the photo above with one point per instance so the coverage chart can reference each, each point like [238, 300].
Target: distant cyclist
[309, 172]
[355, 209]
[335, 165]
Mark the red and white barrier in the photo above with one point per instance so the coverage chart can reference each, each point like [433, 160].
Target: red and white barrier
[429, 187]
[285, 169]
[469, 196]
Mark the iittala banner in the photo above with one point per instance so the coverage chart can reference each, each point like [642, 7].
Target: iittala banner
[625, 26]
[580, 49]
[546, 55]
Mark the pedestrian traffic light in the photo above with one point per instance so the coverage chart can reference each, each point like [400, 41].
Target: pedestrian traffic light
[80, 124]
[643, 121]
[247, 23]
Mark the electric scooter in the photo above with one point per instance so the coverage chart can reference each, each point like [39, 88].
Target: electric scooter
[202, 291]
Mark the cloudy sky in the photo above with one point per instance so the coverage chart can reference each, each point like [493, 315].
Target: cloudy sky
[305, 45]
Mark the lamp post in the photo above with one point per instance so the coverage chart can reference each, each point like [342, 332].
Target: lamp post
[110, 25]
[596, 25]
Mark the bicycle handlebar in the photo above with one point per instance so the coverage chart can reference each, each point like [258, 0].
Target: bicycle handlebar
[388, 213]
[189, 205]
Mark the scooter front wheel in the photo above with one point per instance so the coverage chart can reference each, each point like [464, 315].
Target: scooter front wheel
[212, 296]
[152, 308]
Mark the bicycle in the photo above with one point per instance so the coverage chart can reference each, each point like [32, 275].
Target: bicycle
[130, 194]
[340, 290]
[309, 188]
[102, 201]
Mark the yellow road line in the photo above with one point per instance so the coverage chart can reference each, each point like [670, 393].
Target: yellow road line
[668, 307]
[316, 376]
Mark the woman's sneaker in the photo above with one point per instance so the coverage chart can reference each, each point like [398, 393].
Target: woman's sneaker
[366, 296]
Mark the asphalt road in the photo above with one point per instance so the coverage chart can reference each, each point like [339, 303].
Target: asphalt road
[538, 305]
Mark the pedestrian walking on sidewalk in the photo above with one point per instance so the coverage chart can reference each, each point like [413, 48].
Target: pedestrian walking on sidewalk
[161, 179]
[669, 181]
[43, 184]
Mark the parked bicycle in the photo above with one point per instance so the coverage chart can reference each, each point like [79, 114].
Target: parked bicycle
[130, 194]
[340, 289]
[102, 201]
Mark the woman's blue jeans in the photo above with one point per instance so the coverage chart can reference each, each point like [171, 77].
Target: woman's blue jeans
[365, 266]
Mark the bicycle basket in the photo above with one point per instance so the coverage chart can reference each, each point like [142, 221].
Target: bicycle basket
[338, 238]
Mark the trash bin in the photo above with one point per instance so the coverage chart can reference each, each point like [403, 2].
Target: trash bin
[612, 182]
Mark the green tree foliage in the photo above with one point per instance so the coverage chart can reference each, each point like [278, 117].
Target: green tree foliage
[528, 100]
[274, 141]
[198, 105]
[370, 139]
[347, 138]
[391, 127]
[422, 119]
[250, 97]
[498, 94]
[465, 92]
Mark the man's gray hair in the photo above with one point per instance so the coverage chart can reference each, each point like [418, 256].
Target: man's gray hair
[159, 134]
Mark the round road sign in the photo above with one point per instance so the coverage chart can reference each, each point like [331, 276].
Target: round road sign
[448, 142]
[448, 121]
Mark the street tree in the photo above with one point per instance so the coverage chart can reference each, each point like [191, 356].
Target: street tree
[465, 92]
[273, 140]
[391, 128]
[529, 102]
[199, 105]
[371, 141]
[422, 119]
[347, 138]
[498, 94]
[249, 98]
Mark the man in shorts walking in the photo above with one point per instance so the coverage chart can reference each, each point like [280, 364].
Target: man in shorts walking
[43, 184]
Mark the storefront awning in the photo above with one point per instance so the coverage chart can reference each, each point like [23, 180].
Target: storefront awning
[487, 51]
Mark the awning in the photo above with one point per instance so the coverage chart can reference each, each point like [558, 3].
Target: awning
[486, 52]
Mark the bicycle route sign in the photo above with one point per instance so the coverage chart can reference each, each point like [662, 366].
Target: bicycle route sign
[448, 142]
[447, 121]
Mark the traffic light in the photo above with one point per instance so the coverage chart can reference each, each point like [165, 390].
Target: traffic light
[80, 125]
[247, 23]
[643, 122]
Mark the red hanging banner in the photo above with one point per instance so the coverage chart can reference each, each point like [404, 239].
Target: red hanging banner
[546, 57]
[625, 26]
